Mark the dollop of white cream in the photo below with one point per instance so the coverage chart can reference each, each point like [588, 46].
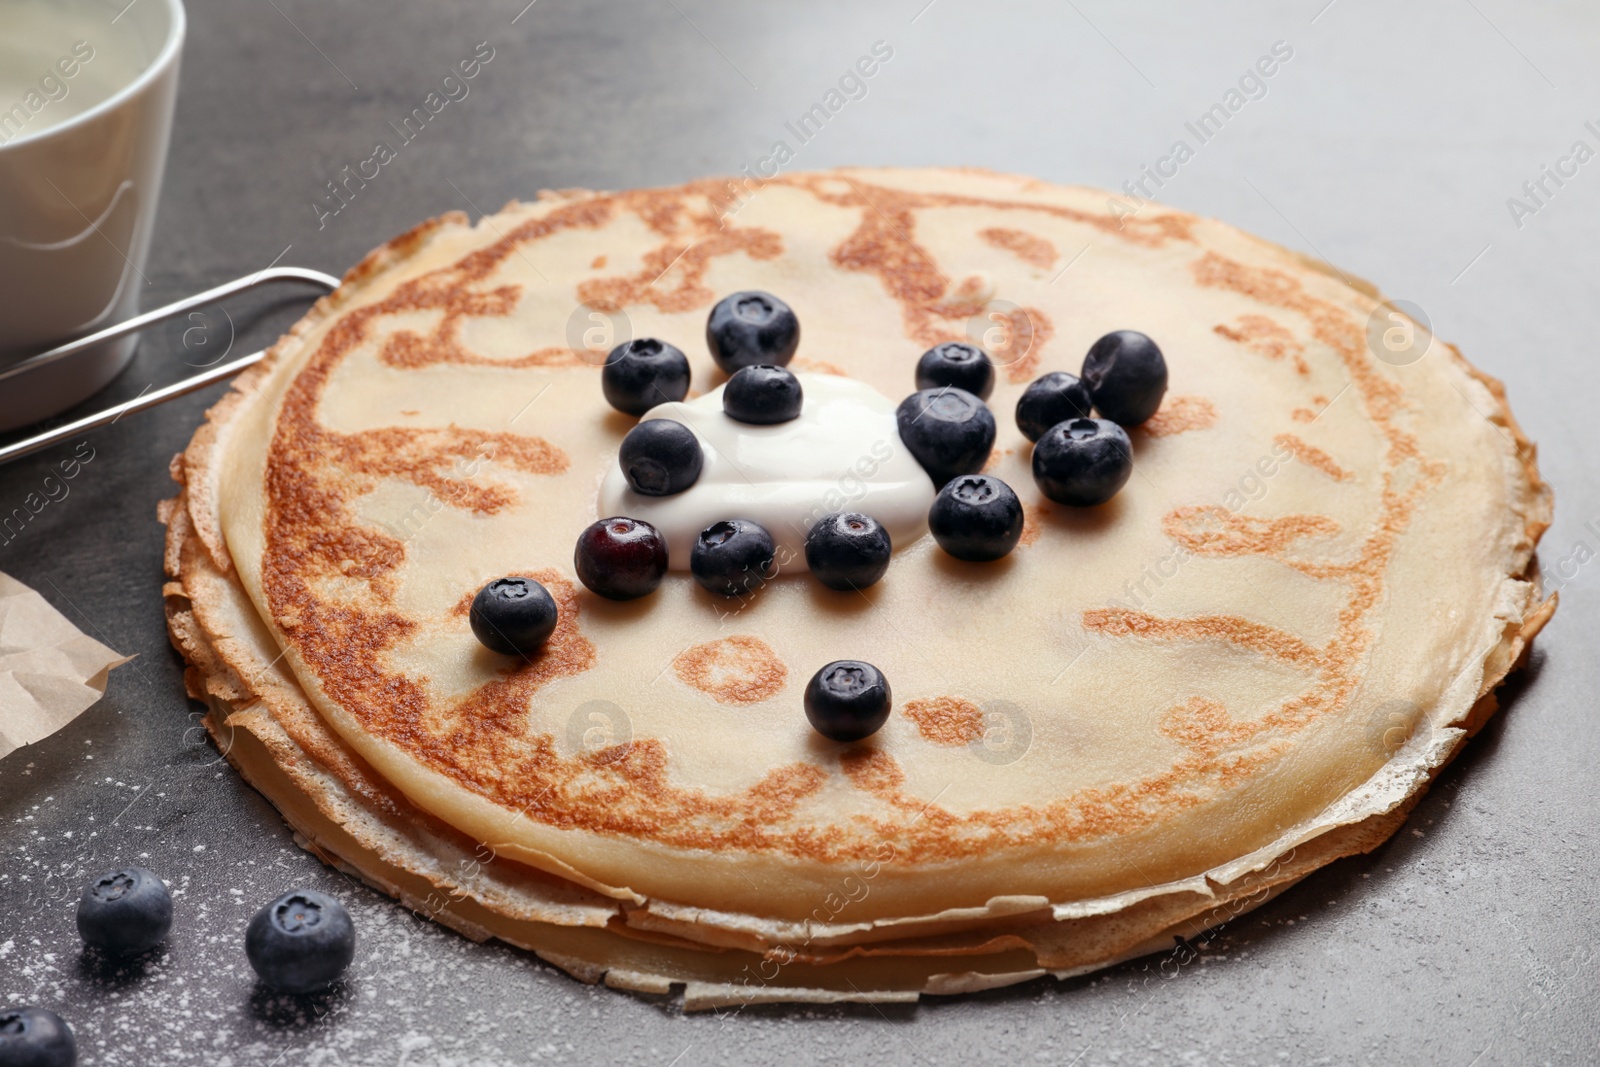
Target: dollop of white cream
[843, 453]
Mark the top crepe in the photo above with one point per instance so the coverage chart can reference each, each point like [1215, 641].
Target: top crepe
[1320, 564]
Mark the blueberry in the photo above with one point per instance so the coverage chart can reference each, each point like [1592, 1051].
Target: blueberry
[1126, 375]
[1049, 399]
[125, 912]
[642, 373]
[949, 431]
[848, 700]
[732, 557]
[956, 363]
[301, 942]
[762, 395]
[660, 457]
[976, 518]
[847, 550]
[35, 1037]
[513, 616]
[750, 328]
[621, 558]
[1083, 462]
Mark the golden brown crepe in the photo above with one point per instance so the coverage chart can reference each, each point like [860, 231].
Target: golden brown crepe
[1249, 663]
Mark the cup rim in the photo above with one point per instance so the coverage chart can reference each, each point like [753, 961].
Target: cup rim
[157, 67]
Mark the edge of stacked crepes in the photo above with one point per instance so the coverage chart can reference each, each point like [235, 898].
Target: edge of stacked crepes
[346, 813]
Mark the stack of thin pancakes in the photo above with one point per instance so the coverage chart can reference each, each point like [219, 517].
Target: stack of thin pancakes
[1151, 716]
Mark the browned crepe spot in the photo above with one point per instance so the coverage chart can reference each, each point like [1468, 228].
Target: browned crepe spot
[885, 244]
[1216, 531]
[877, 772]
[1027, 334]
[419, 455]
[1312, 456]
[946, 720]
[1030, 523]
[1201, 725]
[734, 670]
[684, 260]
[821, 366]
[1181, 414]
[411, 350]
[1271, 339]
[1027, 247]
[1119, 622]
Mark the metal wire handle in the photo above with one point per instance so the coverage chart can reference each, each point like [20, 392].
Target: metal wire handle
[149, 400]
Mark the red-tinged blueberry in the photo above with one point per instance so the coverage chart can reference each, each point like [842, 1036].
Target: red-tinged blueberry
[513, 616]
[642, 373]
[1049, 399]
[35, 1037]
[956, 364]
[848, 550]
[751, 328]
[848, 700]
[125, 912]
[948, 430]
[732, 557]
[660, 457]
[762, 395]
[621, 558]
[301, 942]
[1126, 375]
[1083, 462]
[976, 517]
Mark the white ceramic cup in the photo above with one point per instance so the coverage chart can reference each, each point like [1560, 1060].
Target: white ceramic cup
[86, 97]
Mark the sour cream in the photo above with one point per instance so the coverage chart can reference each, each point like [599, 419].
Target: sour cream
[843, 453]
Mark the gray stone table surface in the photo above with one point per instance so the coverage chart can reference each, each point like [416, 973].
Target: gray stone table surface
[1390, 143]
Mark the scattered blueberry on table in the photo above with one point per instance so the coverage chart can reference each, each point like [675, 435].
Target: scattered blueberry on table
[35, 1037]
[751, 327]
[661, 457]
[956, 364]
[848, 700]
[1083, 462]
[976, 518]
[1050, 399]
[513, 616]
[642, 373]
[301, 942]
[762, 395]
[848, 550]
[733, 556]
[125, 912]
[621, 558]
[1126, 375]
[948, 430]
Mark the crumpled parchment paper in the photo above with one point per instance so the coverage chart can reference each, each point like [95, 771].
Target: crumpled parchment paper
[50, 671]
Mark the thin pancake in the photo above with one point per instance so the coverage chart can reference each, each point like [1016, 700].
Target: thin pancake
[1238, 656]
